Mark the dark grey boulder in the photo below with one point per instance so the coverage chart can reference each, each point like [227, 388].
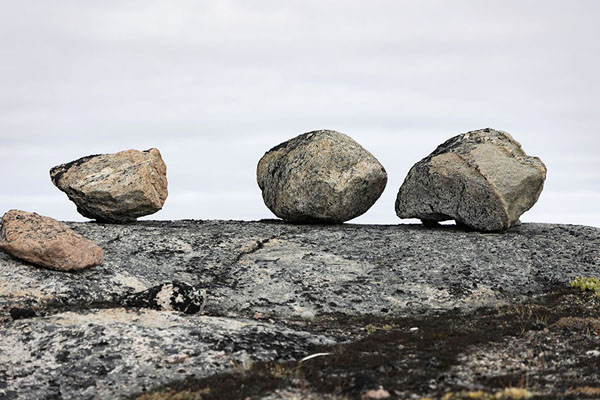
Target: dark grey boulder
[320, 176]
[481, 179]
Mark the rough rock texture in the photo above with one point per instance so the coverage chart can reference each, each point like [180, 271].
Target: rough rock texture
[481, 179]
[135, 322]
[320, 176]
[116, 187]
[282, 270]
[171, 296]
[113, 353]
[47, 242]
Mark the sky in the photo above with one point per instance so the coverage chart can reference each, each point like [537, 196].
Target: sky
[214, 84]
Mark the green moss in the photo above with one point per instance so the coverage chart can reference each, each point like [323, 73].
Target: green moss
[506, 394]
[371, 328]
[585, 284]
[174, 395]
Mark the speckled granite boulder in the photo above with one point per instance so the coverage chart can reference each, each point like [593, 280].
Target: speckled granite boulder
[320, 176]
[116, 187]
[481, 179]
[47, 242]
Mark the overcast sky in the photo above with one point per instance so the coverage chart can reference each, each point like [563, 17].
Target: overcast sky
[215, 84]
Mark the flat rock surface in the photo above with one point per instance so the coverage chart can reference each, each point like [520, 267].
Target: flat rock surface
[114, 353]
[282, 269]
[61, 332]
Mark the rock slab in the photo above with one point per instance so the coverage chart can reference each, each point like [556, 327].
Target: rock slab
[284, 270]
[117, 187]
[47, 242]
[125, 327]
[116, 353]
[481, 179]
[320, 176]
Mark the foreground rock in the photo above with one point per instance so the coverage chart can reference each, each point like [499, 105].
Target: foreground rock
[394, 306]
[114, 353]
[320, 176]
[481, 179]
[282, 270]
[47, 242]
[116, 187]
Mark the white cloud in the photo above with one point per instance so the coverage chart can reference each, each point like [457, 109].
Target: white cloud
[220, 82]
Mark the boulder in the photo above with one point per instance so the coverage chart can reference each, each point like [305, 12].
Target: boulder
[116, 187]
[47, 242]
[320, 176]
[481, 179]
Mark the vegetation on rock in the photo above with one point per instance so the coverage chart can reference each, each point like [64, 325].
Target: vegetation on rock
[586, 284]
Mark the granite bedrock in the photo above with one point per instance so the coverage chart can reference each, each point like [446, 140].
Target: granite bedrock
[79, 335]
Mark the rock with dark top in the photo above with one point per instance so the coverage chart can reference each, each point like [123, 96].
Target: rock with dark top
[116, 187]
[481, 179]
[320, 176]
[47, 242]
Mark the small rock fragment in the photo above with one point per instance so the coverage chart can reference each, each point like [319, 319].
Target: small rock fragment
[481, 179]
[320, 176]
[373, 394]
[307, 315]
[172, 296]
[116, 187]
[47, 242]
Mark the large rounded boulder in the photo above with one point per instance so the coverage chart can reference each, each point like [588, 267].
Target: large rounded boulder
[320, 176]
[481, 179]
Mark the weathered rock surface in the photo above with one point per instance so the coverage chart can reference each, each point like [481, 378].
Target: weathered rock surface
[320, 176]
[481, 179]
[61, 333]
[114, 353]
[170, 296]
[47, 242]
[282, 270]
[116, 187]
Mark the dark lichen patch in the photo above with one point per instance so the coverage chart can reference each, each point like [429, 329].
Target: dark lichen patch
[20, 313]
[57, 172]
[417, 356]
[175, 295]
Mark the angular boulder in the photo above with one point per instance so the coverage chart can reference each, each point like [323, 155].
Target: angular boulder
[320, 176]
[47, 242]
[481, 179]
[116, 187]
